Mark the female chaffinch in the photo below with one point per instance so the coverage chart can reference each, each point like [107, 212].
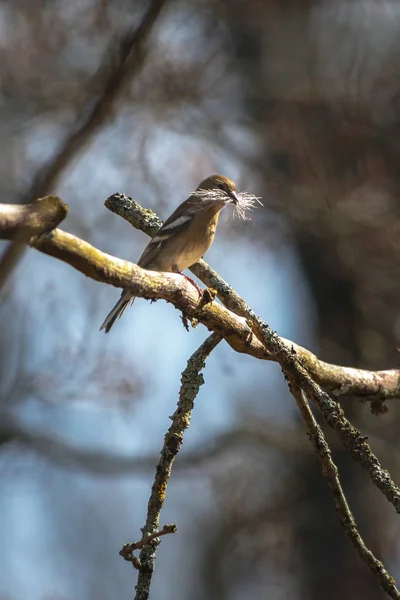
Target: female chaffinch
[185, 236]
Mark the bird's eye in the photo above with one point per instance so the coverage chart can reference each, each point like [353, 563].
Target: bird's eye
[221, 186]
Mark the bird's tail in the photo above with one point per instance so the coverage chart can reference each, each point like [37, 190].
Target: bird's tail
[126, 300]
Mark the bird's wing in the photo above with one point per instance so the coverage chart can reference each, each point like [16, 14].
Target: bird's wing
[173, 226]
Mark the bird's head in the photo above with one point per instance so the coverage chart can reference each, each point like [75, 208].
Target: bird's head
[221, 183]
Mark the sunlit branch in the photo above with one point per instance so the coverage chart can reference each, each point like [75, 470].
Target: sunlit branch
[21, 222]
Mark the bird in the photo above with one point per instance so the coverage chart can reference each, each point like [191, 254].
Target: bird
[184, 237]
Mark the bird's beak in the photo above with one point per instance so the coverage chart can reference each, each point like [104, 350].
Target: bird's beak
[234, 197]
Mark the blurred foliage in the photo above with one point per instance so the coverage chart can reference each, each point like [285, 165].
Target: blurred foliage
[301, 99]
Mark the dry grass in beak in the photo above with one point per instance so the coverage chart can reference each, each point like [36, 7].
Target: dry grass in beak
[246, 201]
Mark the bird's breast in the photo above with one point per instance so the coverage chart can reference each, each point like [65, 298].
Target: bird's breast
[192, 244]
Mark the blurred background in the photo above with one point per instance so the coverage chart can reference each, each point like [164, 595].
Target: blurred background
[297, 101]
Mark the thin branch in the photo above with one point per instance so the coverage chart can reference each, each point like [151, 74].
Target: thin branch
[123, 59]
[351, 438]
[127, 549]
[333, 414]
[191, 381]
[330, 472]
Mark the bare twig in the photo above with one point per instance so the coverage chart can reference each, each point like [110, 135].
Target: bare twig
[123, 59]
[128, 549]
[191, 381]
[351, 438]
[330, 472]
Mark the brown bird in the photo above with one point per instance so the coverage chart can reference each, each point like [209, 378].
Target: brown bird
[184, 238]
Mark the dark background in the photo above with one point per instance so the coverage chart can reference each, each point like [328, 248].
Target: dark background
[297, 101]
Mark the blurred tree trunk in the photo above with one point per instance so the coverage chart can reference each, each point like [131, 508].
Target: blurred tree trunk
[333, 171]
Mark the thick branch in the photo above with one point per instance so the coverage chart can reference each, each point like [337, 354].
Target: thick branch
[148, 284]
[22, 222]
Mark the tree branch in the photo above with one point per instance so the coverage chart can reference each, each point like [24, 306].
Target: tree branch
[151, 285]
[191, 381]
[128, 549]
[22, 222]
[330, 472]
[351, 438]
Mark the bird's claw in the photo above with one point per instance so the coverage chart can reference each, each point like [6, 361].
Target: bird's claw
[198, 288]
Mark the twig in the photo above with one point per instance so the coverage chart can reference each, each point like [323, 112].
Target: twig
[352, 439]
[127, 549]
[191, 381]
[330, 472]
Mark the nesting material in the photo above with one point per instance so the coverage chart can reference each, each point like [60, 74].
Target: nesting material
[246, 201]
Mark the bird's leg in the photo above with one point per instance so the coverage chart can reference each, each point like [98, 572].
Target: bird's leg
[198, 288]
